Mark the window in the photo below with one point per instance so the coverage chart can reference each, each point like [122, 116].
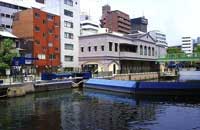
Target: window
[149, 51]
[50, 44]
[2, 14]
[50, 31]
[44, 21]
[141, 50]
[50, 17]
[82, 49]
[68, 2]
[89, 49]
[44, 35]
[37, 15]
[37, 29]
[41, 56]
[153, 51]
[40, 1]
[102, 48]
[145, 50]
[7, 16]
[37, 41]
[116, 47]
[69, 35]
[69, 58]
[68, 13]
[56, 36]
[110, 46]
[69, 46]
[95, 48]
[8, 26]
[68, 24]
[52, 56]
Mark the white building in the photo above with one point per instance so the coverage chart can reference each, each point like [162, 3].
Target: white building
[114, 52]
[161, 42]
[89, 27]
[9, 7]
[69, 11]
[187, 45]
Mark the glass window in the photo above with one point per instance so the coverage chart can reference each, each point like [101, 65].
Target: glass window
[37, 29]
[50, 17]
[102, 48]
[50, 44]
[141, 50]
[110, 46]
[69, 58]
[82, 49]
[69, 35]
[52, 56]
[95, 48]
[89, 48]
[116, 47]
[68, 2]
[68, 13]
[68, 24]
[41, 56]
[69, 46]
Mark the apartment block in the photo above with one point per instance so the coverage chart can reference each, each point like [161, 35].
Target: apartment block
[69, 12]
[40, 32]
[187, 45]
[115, 21]
[139, 24]
[9, 7]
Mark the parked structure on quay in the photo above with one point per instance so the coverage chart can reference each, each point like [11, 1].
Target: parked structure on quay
[119, 53]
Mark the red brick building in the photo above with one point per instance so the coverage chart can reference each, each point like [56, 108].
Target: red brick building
[40, 33]
[117, 21]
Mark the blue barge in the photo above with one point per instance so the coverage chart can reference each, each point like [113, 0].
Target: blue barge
[149, 88]
[111, 85]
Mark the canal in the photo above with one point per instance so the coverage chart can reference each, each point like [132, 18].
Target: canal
[96, 110]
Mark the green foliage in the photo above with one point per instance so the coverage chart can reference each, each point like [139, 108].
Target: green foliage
[173, 50]
[6, 54]
[197, 49]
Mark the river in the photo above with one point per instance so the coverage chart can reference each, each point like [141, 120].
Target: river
[96, 110]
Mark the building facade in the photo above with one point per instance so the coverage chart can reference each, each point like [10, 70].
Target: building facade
[161, 42]
[69, 12]
[115, 21]
[187, 45]
[139, 24]
[9, 7]
[89, 27]
[40, 32]
[118, 53]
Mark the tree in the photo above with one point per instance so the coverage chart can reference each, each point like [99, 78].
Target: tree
[173, 50]
[7, 53]
[197, 49]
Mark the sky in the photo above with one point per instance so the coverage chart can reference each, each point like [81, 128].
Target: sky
[175, 18]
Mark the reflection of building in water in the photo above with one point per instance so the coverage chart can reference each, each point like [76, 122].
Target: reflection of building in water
[70, 111]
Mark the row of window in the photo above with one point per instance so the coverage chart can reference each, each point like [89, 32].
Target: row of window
[90, 48]
[143, 51]
[6, 15]
[43, 56]
[11, 6]
[6, 26]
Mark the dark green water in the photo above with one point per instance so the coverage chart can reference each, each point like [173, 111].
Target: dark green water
[95, 110]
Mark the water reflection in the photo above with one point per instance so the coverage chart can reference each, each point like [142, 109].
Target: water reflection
[96, 110]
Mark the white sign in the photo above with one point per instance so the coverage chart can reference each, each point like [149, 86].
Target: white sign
[7, 72]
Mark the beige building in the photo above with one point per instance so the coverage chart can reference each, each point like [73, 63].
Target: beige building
[118, 53]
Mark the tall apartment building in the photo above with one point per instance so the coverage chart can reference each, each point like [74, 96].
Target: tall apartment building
[9, 7]
[139, 24]
[116, 20]
[69, 11]
[187, 45]
[40, 32]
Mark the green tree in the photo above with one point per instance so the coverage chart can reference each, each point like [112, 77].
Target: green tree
[197, 49]
[173, 50]
[7, 53]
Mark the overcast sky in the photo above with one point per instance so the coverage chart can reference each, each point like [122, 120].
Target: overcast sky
[175, 18]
